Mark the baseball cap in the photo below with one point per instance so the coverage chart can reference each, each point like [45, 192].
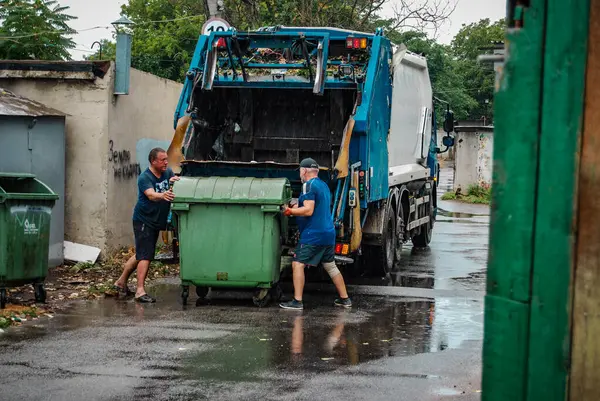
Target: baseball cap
[309, 163]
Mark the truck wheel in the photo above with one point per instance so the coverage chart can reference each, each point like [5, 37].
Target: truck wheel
[423, 239]
[3, 298]
[380, 258]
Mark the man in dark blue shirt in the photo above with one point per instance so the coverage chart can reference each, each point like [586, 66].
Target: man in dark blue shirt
[317, 235]
[149, 218]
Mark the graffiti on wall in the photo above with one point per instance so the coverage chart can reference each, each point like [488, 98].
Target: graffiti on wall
[123, 166]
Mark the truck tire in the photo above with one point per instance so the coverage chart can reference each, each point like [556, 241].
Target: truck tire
[423, 239]
[399, 233]
[380, 258]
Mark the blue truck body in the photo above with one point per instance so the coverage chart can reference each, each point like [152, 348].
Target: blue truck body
[263, 100]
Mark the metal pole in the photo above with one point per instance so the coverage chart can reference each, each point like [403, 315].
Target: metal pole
[214, 8]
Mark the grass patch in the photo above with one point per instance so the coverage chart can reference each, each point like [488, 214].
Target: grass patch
[477, 194]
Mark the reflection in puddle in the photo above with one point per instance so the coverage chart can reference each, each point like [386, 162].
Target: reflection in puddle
[318, 340]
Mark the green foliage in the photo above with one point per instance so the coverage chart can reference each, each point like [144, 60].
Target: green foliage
[349, 14]
[164, 48]
[449, 196]
[35, 29]
[447, 82]
[471, 41]
[478, 194]
[81, 266]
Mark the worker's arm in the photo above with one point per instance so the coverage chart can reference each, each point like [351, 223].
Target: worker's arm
[159, 196]
[306, 210]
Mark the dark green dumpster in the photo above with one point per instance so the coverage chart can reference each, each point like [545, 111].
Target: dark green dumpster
[230, 231]
[25, 210]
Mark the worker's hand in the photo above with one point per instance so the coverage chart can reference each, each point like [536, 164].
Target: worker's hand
[287, 211]
[168, 196]
[174, 178]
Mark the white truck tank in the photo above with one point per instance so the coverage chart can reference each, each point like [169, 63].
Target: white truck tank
[411, 120]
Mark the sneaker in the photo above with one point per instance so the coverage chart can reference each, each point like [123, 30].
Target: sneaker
[343, 302]
[293, 304]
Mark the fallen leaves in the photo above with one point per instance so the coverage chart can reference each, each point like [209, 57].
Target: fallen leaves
[67, 283]
[17, 314]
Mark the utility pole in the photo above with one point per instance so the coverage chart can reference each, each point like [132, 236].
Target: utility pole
[214, 8]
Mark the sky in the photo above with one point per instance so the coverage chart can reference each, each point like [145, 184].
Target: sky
[93, 13]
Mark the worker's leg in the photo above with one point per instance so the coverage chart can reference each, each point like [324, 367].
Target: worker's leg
[145, 245]
[298, 273]
[337, 278]
[330, 267]
[142, 273]
[130, 266]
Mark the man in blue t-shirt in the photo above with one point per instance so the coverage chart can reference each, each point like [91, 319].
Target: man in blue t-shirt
[317, 235]
[149, 218]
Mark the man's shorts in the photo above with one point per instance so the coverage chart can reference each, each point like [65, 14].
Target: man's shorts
[145, 240]
[312, 255]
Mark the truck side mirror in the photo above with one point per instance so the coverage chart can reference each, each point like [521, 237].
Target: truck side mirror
[448, 141]
[449, 122]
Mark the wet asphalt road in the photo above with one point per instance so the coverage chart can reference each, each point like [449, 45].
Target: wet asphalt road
[416, 335]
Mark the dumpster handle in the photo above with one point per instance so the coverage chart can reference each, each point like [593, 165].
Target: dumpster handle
[270, 208]
[180, 207]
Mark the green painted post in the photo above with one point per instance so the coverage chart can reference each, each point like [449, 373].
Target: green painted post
[514, 185]
[567, 25]
[538, 127]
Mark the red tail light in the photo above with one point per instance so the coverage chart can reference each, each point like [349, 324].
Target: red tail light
[221, 43]
[338, 248]
[349, 43]
[356, 43]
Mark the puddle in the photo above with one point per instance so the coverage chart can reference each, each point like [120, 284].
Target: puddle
[445, 213]
[324, 340]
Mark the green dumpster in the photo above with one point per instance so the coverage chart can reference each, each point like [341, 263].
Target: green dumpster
[230, 231]
[25, 210]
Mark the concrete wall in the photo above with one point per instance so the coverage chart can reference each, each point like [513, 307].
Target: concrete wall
[474, 159]
[138, 122]
[108, 139]
[86, 104]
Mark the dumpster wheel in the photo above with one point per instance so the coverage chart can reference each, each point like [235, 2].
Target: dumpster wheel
[40, 293]
[262, 297]
[202, 292]
[185, 293]
[3, 298]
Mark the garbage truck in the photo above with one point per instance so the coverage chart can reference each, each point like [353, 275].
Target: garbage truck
[256, 103]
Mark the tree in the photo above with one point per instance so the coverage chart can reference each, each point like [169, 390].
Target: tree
[164, 35]
[360, 15]
[471, 41]
[446, 80]
[164, 47]
[35, 29]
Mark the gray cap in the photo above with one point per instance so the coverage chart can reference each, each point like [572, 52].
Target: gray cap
[309, 163]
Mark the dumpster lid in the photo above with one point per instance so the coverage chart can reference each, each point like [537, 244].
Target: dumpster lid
[245, 190]
[17, 175]
[24, 186]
